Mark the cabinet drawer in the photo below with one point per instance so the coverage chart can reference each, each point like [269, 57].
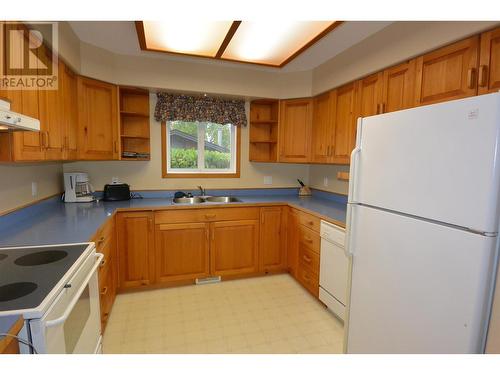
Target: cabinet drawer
[309, 221]
[106, 248]
[206, 214]
[309, 258]
[104, 236]
[310, 238]
[308, 279]
[107, 291]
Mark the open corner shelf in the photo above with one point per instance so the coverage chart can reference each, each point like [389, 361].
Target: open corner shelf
[134, 124]
[264, 121]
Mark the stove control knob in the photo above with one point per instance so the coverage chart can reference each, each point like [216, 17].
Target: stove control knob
[67, 286]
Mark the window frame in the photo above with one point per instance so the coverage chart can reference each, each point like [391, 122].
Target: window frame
[164, 163]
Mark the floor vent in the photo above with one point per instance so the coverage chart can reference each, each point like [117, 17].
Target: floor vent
[208, 280]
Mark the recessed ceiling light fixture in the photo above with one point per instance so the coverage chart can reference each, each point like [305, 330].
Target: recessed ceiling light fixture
[271, 43]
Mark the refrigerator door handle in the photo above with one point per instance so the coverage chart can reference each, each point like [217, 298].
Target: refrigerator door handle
[354, 158]
[348, 232]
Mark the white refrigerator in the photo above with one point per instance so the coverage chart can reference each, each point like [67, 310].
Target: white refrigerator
[422, 225]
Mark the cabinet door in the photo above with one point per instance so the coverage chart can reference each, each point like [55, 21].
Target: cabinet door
[69, 104]
[51, 117]
[272, 241]
[369, 95]
[98, 119]
[135, 248]
[399, 87]
[322, 129]
[489, 62]
[344, 119]
[292, 243]
[234, 247]
[295, 130]
[181, 251]
[448, 73]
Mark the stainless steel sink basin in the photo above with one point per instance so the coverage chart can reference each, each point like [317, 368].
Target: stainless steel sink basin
[222, 199]
[192, 200]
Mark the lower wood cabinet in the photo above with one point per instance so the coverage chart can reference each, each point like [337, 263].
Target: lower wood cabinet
[292, 242]
[272, 235]
[181, 251]
[135, 241]
[234, 247]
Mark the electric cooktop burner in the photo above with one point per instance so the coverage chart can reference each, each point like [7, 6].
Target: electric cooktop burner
[29, 274]
[13, 291]
[41, 257]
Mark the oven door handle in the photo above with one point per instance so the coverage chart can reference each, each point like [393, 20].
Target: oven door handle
[63, 317]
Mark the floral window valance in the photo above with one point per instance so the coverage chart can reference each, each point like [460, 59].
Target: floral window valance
[176, 107]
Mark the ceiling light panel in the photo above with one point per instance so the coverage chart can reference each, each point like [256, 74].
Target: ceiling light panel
[272, 42]
[195, 37]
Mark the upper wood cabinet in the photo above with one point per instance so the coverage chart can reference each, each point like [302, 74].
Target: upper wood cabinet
[272, 247]
[295, 130]
[489, 62]
[322, 128]
[135, 242]
[369, 95]
[50, 103]
[234, 247]
[69, 104]
[344, 119]
[398, 87]
[97, 120]
[448, 73]
[181, 251]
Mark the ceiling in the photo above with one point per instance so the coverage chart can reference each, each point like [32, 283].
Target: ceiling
[120, 37]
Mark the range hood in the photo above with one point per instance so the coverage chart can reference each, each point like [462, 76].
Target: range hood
[10, 121]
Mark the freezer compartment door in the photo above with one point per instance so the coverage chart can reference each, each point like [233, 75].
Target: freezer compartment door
[439, 162]
[417, 287]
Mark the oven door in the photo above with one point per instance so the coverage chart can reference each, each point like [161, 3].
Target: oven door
[72, 324]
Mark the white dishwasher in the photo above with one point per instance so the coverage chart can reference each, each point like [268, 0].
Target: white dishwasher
[334, 266]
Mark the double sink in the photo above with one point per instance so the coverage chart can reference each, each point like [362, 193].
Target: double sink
[205, 199]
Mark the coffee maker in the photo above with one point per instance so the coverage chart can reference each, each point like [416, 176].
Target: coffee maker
[77, 188]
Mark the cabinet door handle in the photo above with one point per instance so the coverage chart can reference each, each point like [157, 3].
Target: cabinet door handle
[100, 240]
[104, 291]
[310, 223]
[382, 108]
[104, 261]
[210, 216]
[305, 277]
[483, 70]
[115, 145]
[470, 78]
[306, 258]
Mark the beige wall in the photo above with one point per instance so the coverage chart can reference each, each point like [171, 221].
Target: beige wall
[317, 174]
[154, 72]
[393, 44]
[16, 179]
[147, 174]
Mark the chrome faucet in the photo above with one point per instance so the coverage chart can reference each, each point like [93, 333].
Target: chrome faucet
[202, 191]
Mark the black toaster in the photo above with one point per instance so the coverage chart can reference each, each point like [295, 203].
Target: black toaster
[116, 192]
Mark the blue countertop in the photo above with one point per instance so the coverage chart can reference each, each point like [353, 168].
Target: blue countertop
[54, 222]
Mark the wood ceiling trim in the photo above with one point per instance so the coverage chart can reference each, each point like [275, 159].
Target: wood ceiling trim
[227, 39]
[139, 25]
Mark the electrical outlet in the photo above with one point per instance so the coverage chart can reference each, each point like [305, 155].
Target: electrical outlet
[325, 181]
[268, 180]
[34, 189]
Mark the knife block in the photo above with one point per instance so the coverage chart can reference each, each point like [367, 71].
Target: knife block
[304, 191]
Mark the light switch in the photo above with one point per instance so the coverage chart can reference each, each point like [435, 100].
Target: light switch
[268, 180]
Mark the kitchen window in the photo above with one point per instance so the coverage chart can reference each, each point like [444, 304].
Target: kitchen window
[200, 149]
